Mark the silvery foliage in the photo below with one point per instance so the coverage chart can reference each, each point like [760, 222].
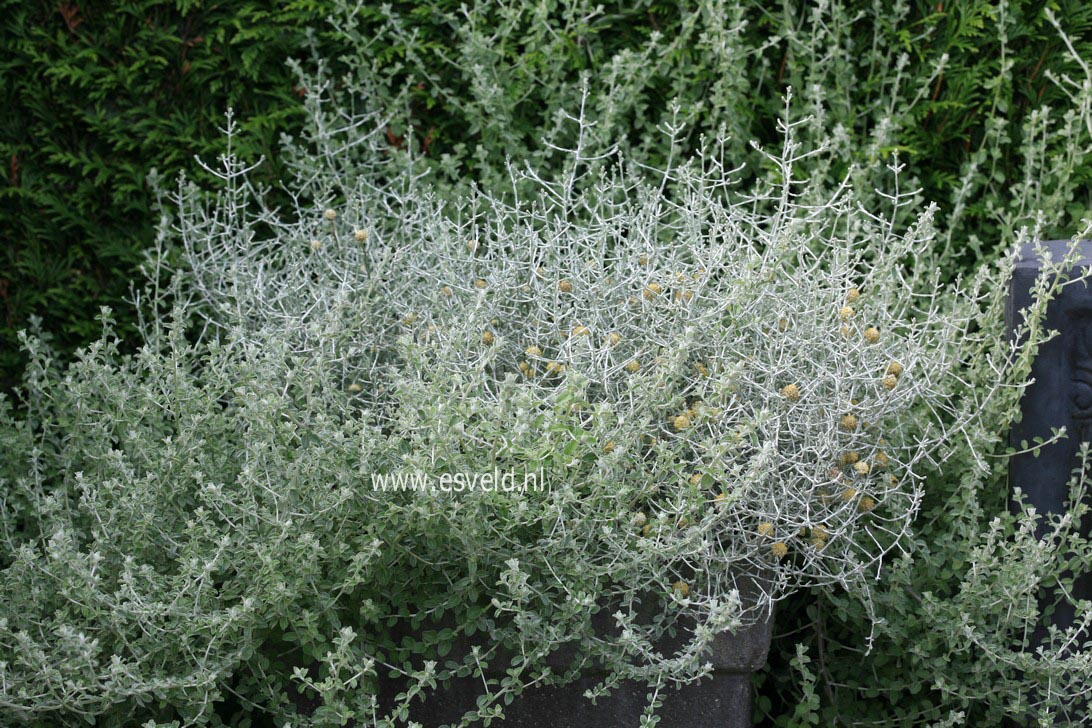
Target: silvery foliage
[753, 377]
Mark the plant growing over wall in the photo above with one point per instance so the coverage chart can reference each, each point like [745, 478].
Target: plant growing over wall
[731, 392]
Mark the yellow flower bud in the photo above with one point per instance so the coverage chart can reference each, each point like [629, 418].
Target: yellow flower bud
[848, 423]
[779, 550]
[862, 468]
[866, 504]
[845, 313]
[790, 392]
[681, 422]
[853, 295]
[360, 235]
[681, 588]
[894, 369]
[446, 292]
[355, 388]
[871, 334]
[890, 381]
[633, 366]
[614, 338]
[565, 287]
[765, 529]
[330, 215]
[487, 337]
[479, 283]
[652, 290]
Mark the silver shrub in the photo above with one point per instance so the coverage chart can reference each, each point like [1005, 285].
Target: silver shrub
[744, 383]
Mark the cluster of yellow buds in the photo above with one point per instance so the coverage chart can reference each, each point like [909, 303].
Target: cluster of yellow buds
[633, 367]
[684, 296]
[790, 392]
[652, 290]
[681, 422]
[848, 423]
[487, 337]
[613, 339]
[526, 369]
[891, 376]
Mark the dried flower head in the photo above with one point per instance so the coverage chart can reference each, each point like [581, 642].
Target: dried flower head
[565, 286]
[790, 392]
[848, 423]
[330, 214]
[779, 550]
[871, 334]
[360, 235]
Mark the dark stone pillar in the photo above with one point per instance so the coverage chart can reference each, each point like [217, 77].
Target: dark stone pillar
[1061, 394]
